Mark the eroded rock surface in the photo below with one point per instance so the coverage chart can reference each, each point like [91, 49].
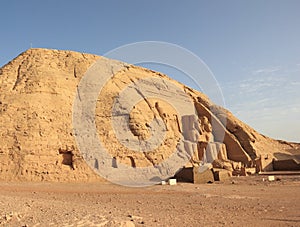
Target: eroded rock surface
[37, 93]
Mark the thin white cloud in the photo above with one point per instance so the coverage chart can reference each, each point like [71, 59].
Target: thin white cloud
[266, 102]
[266, 70]
[295, 83]
[257, 84]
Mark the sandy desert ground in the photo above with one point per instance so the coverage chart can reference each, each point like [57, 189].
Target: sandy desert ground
[240, 201]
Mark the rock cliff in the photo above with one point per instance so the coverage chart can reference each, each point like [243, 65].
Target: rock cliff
[37, 93]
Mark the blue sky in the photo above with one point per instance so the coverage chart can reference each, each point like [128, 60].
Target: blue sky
[252, 47]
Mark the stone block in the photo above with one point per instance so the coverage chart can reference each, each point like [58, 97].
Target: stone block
[221, 174]
[202, 175]
[172, 182]
[271, 178]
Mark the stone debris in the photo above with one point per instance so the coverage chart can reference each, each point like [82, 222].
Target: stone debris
[222, 174]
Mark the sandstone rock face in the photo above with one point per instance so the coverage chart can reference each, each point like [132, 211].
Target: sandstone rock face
[36, 135]
[37, 93]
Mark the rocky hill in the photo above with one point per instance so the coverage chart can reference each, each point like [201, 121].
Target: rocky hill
[37, 93]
